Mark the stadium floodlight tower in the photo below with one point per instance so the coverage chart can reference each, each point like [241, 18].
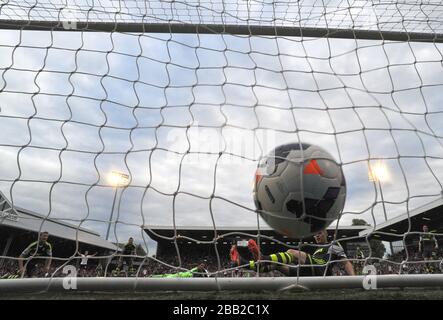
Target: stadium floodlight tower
[116, 180]
[378, 173]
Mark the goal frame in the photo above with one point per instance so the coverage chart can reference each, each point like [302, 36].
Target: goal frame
[251, 30]
[220, 284]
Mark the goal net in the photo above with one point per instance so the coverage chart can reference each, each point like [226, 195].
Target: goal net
[147, 119]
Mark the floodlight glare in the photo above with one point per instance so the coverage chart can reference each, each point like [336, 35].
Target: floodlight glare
[379, 172]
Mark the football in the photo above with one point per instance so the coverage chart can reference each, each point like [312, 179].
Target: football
[299, 189]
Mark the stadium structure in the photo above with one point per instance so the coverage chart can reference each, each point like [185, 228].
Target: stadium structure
[19, 227]
[199, 241]
[401, 233]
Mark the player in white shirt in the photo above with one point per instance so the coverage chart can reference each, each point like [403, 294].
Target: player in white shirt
[84, 262]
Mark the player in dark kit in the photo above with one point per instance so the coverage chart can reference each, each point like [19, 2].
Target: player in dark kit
[35, 254]
[295, 262]
[128, 251]
[426, 246]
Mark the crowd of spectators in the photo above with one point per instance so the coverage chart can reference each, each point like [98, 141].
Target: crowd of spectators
[395, 264]
[215, 262]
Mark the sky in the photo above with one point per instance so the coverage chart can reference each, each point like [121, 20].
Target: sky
[189, 116]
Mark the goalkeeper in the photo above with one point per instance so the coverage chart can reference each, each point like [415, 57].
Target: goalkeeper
[197, 272]
[11, 275]
[316, 264]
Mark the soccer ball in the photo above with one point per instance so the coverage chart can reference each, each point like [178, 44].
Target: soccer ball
[299, 189]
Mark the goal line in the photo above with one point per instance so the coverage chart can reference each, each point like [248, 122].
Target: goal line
[217, 284]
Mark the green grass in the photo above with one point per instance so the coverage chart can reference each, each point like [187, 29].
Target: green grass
[348, 294]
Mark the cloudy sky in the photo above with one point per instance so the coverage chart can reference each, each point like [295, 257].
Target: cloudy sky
[189, 116]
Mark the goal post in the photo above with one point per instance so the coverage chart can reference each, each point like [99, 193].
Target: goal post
[250, 30]
[228, 284]
[148, 119]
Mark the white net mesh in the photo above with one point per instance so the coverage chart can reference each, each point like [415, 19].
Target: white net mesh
[185, 117]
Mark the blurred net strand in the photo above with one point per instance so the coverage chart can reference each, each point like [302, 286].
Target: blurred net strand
[275, 12]
[176, 24]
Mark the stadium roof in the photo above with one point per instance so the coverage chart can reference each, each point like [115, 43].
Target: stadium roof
[430, 214]
[24, 219]
[206, 233]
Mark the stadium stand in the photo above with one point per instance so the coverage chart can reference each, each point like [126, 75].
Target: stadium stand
[403, 233]
[394, 229]
[20, 227]
[195, 244]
